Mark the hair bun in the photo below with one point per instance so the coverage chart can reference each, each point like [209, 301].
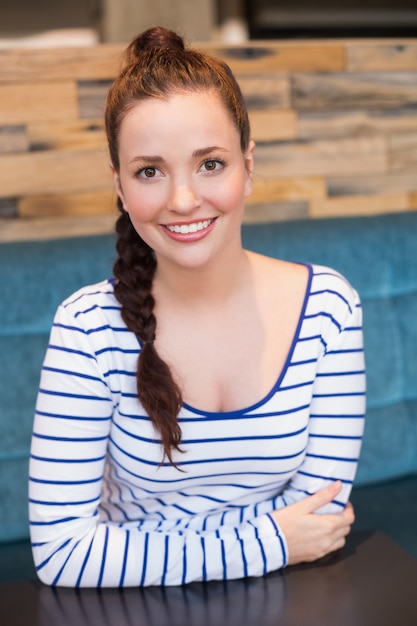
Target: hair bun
[154, 39]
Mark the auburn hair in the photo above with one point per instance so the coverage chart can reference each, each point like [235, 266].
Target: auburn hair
[158, 64]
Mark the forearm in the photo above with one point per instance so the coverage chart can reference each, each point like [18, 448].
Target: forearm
[91, 554]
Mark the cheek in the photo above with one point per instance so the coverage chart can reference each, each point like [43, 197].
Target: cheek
[143, 203]
[231, 195]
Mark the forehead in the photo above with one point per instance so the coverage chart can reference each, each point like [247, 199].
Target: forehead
[199, 112]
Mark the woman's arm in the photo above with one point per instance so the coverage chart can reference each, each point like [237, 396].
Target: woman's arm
[337, 413]
[310, 536]
[324, 481]
[72, 546]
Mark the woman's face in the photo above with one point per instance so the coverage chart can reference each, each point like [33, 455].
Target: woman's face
[183, 177]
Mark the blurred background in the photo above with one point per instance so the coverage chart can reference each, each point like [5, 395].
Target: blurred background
[112, 21]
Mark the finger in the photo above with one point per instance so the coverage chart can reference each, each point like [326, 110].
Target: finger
[341, 534]
[335, 541]
[339, 525]
[349, 513]
[321, 498]
[337, 544]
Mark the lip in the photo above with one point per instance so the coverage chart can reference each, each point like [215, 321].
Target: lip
[194, 235]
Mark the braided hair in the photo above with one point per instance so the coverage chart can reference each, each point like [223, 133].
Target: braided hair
[157, 65]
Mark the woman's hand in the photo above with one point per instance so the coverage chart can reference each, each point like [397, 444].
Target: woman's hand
[311, 536]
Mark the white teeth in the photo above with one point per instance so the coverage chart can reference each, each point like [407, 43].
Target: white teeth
[185, 229]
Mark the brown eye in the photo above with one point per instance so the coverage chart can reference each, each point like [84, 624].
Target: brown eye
[213, 165]
[148, 172]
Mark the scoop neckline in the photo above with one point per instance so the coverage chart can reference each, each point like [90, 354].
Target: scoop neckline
[281, 375]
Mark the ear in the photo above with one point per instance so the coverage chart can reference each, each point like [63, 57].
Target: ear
[249, 164]
[117, 185]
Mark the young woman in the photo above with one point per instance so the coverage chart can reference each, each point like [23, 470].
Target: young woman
[200, 415]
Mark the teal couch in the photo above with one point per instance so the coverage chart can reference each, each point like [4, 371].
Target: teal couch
[377, 254]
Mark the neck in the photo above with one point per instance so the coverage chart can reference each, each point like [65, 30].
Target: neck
[214, 283]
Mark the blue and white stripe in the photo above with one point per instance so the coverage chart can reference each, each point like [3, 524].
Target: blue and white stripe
[105, 512]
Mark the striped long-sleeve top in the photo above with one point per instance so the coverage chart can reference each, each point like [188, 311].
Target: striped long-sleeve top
[104, 511]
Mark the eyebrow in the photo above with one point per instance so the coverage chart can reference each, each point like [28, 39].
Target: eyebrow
[147, 159]
[201, 152]
[205, 151]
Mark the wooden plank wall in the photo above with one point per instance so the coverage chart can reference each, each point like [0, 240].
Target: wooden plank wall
[335, 124]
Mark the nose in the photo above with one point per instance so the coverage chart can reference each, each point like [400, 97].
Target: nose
[183, 197]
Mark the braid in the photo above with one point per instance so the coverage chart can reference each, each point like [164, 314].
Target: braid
[157, 390]
[158, 64]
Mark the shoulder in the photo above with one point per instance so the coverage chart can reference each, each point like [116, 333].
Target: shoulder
[98, 295]
[333, 300]
[92, 304]
[331, 284]
[91, 318]
[327, 285]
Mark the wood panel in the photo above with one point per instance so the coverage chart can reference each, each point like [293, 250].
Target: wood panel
[53, 172]
[62, 205]
[356, 123]
[67, 135]
[367, 184]
[282, 56]
[359, 205]
[413, 200]
[321, 158]
[13, 139]
[8, 208]
[278, 190]
[266, 90]
[92, 98]
[379, 90]
[58, 64]
[403, 152]
[275, 212]
[103, 61]
[38, 102]
[273, 125]
[376, 56]
[335, 123]
[55, 227]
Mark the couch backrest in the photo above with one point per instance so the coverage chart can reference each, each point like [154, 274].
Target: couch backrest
[377, 254]
[36, 277]
[379, 257]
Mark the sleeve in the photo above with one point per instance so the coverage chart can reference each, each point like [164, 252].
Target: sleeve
[71, 545]
[337, 412]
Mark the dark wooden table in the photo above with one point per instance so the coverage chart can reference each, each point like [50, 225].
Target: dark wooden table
[371, 582]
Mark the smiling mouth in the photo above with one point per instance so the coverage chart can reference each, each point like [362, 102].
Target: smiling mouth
[185, 229]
